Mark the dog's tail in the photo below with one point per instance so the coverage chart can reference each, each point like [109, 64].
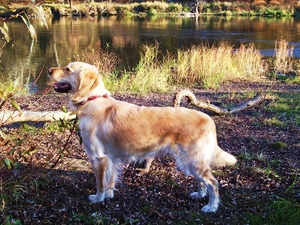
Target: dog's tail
[222, 158]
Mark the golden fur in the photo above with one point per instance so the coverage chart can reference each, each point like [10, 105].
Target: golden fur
[115, 130]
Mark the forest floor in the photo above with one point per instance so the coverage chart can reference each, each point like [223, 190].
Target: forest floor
[46, 178]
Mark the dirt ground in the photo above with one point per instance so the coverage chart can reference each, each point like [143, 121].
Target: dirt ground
[50, 184]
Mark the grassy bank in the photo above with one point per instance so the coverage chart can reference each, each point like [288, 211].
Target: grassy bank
[227, 8]
[235, 8]
[201, 66]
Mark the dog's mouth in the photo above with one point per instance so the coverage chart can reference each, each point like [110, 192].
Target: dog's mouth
[62, 87]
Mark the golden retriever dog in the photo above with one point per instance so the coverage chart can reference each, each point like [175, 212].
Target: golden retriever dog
[113, 131]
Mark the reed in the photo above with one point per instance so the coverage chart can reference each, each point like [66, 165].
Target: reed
[249, 63]
[151, 74]
[105, 61]
[201, 66]
[283, 56]
[210, 67]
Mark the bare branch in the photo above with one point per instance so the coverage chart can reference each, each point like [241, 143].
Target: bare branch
[207, 105]
[8, 117]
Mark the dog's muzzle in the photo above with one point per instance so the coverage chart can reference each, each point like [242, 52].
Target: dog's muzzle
[61, 87]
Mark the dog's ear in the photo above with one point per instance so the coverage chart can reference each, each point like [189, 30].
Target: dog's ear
[88, 80]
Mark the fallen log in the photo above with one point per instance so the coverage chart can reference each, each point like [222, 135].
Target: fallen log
[211, 107]
[8, 117]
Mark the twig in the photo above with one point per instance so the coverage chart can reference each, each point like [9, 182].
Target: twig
[38, 77]
[66, 143]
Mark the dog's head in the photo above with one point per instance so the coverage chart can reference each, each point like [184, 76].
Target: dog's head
[79, 78]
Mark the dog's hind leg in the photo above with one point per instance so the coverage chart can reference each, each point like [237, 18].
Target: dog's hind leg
[105, 179]
[202, 190]
[205, 178]
[146, 169]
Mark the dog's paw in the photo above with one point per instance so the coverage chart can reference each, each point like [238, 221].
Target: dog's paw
[209, 208]
[97, 198]
[200, 195]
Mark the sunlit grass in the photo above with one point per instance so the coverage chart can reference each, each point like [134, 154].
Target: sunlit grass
[283, 56]
[212, 66]
[285, 103]
[274, 121]
[287, 109]
[200, 66]
[152, 74]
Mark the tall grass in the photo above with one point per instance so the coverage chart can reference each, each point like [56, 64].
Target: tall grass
[201, 66]
[210, 67]
[283, 56]
[104, 60]
[152, 73]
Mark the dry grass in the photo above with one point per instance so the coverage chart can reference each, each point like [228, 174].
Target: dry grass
[283, 56]
[213, 66]
[200, 66]
[150, 75]
[105, 61]
[249, 63]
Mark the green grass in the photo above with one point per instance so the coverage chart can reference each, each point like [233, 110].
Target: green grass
[281, 211]
[284, 209]
[151, 74]
[274, 121]
[286, 107]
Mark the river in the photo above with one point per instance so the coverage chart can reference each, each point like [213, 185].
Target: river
[66, 38]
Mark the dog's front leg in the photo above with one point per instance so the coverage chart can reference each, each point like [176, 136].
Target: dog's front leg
[105, 179]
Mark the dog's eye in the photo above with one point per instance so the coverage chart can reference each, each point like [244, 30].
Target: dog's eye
[68, 69]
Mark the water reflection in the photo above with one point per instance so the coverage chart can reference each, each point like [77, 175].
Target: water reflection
[67, 38]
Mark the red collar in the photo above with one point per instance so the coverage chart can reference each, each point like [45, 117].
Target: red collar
[93, 97]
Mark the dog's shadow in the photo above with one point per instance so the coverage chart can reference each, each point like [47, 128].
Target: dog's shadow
[60, 195]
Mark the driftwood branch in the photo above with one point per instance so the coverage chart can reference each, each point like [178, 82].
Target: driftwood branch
[207, 105]
[8, 117]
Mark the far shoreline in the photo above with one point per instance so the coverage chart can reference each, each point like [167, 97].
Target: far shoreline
[187, 9]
